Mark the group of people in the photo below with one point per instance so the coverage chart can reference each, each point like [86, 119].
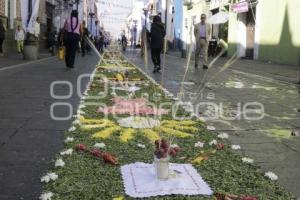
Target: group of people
[19, 35]
[202, 32]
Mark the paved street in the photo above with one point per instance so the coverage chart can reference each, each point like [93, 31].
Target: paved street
[29, 138]
[268, 141]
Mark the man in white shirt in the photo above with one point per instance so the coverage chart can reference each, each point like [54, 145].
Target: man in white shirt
[19, 37]
[202, 32]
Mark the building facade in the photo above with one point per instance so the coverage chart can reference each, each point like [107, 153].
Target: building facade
[264, 31]
[267, 32]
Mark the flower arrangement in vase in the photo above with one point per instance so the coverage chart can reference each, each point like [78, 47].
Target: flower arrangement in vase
[163, 152]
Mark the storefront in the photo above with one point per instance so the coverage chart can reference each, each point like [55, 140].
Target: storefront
[219, 30]
[247, 37]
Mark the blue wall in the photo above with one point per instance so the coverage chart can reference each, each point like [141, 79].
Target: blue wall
[178, 22]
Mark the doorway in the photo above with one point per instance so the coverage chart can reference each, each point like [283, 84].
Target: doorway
[250, 33]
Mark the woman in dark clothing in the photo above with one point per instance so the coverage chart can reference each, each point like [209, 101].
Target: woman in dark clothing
[157, 35]
[72, 37]
[2, 37]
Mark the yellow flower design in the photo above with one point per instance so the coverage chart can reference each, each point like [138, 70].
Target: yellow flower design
[179, 129]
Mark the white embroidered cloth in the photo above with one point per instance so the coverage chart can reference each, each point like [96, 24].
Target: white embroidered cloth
[140, 181]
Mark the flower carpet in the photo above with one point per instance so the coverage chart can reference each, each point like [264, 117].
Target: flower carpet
[113, 128]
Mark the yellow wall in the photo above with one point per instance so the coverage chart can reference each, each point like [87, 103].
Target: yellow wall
[278, 26]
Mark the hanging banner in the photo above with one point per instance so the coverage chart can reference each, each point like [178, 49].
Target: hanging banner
[170, 21]
[24, 13]
[240, 7]
[29, 27]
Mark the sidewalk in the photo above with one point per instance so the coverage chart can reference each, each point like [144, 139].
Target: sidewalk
[29, 137]
[284, 73]
[268, 140]
[14, 58]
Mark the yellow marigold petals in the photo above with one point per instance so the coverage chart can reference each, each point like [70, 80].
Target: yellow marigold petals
[182, 128]
[170, 131]
[151, 135]
[126, 134]
[106, 132]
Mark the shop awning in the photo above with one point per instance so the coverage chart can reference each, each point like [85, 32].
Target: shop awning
[219, 18]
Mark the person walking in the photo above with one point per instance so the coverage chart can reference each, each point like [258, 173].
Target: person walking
[71, 38]
[202, 32]
[84, 33]
[157, 35]
[19, 37]
[2, 37]
[101, 43]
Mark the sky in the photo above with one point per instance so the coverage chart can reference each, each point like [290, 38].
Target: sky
[114, 17]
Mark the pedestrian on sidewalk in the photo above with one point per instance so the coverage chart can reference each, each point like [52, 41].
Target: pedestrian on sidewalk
[157, 35]
[101, 43]
[19, 37]
[202, 32]
[84, 34]
[2, 36]
[71, 38]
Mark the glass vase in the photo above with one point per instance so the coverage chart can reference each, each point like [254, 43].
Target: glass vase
[162, 168]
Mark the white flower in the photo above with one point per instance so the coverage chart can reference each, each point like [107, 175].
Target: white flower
[72, 128]
[46, 196]
[247, 160]
[67, 152]
[211, 128]
[271, 176]
[81, 106]
[48, 177]
[138, 122]
[235, 147]
[59, 163]
[199, 144]
[69, 139]
[213, 142]
[223, 136]
[174, 146]
[100, 145]
[80, 112]
[77, 116]
[141, 146]
[75, 122]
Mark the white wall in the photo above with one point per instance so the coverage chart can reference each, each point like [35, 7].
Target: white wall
[241, 35]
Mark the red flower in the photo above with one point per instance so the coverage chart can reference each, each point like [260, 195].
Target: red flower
[95, 152]
[220, 146]
[80, 147]
[109, 158]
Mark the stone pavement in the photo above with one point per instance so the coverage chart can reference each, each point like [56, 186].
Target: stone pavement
[13, 58]
[29, 138]
[268, 140]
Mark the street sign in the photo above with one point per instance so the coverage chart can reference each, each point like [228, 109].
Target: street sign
[240, 7]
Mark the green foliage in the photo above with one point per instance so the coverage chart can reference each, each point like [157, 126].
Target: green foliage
[87, 178]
